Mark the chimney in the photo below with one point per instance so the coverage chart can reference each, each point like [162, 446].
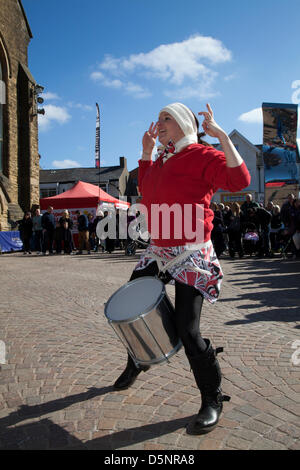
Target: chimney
[123, 162]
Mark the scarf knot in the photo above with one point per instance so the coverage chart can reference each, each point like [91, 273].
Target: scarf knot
[167, 152]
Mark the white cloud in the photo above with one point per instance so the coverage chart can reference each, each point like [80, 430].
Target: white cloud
[199, 90]
[53, 114]
[230, 77]
[65, 164]
[84, 107]
[128, 87]
[50, 96]
[136, 90]
[255, 116]
[296, 94]
[188, 65]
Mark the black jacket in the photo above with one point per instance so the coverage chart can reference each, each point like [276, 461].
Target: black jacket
[83, 223]
[25, 228]
[48, 221]
[261, 218]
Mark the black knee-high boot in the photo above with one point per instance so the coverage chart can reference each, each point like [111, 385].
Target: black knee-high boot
[207, 374]
[129, 375]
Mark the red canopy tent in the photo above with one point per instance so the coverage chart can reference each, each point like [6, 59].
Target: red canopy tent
[82, 195]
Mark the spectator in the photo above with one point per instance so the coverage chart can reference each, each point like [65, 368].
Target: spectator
[270, 206]
[37, 231]
[99, 241]
[227, 214]
[296, 228]
[276, 226]
[66, 225]
[109, 242]
[248, 204]
[217, 234]
[48, 224]
[286, 211]
[92, 231]
[25, 227]
[83, 232]
[234, 231]
[261, 218]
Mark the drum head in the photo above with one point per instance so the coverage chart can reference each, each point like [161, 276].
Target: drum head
[134, 299]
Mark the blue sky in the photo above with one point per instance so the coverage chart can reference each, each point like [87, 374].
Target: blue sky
[134, 57]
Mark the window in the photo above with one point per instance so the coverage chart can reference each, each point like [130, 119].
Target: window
[47, 193]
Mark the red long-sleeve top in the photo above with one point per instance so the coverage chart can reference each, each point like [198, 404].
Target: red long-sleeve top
[186, 183]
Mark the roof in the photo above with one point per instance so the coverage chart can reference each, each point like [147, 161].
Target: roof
[89, 175]
[81, 195]
[242, 137]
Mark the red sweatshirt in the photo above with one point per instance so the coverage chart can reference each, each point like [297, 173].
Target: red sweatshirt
[186, 183]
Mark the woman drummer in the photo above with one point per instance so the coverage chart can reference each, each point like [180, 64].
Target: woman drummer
[187, 173]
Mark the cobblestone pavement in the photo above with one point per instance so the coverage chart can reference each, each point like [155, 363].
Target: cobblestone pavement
[62, 357]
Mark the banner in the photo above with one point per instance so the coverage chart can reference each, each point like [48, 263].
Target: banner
[97, 145]
[280, 151]
[10, 241]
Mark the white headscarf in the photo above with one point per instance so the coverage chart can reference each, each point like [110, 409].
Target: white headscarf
[186, 121]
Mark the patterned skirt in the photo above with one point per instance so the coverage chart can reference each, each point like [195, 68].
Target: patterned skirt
[198, 267]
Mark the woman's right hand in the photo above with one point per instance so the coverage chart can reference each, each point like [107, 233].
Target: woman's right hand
[149, 140]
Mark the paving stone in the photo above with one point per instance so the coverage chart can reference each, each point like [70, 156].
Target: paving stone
[56, 386]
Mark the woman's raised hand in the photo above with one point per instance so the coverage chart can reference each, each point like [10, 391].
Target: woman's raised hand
[149, 140]
[209, 125]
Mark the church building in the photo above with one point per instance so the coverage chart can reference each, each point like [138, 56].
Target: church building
[19, 157]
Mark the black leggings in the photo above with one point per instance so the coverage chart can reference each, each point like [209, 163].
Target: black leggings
[188, 305]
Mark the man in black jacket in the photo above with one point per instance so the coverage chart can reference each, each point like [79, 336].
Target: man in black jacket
[248, 204]
[83, 232]
[48, 224]
[261, 218]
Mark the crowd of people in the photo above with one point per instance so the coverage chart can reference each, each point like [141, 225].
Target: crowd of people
[247, 228]
[43, 234]
[251, 228]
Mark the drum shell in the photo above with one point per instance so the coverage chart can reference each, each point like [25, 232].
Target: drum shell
[150, 338]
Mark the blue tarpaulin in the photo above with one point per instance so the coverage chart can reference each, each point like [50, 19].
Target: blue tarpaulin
[10, 241]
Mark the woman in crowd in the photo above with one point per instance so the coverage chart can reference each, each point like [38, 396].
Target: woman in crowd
[234, 231]
[25, 228]
[217, 234]
[188, 172]
[276, 226]
[65, 233]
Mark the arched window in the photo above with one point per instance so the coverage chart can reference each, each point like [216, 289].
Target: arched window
[2, 102]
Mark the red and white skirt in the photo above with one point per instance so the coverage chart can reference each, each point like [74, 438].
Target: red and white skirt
[196, 266]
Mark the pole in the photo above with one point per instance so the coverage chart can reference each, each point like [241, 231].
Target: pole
[97, 146]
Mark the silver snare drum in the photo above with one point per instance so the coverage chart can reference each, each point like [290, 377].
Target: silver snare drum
[141, 314]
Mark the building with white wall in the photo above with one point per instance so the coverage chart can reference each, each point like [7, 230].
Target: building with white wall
[252, 155]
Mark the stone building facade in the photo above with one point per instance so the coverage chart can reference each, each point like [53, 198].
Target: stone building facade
[19, 158]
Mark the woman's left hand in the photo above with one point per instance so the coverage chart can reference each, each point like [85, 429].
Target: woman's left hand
[209, 125]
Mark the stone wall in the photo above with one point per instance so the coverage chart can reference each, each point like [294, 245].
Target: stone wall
[19, 185]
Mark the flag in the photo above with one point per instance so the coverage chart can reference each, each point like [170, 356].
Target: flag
[97, 146]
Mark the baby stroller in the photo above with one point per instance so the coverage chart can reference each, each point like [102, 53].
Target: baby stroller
[250, 240]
